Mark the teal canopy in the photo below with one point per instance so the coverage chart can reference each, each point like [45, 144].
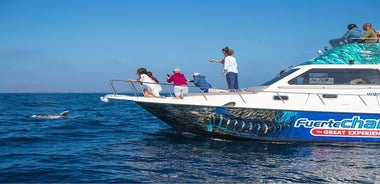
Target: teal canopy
[358, 53]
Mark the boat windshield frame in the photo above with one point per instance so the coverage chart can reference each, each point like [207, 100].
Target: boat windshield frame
[280, 76]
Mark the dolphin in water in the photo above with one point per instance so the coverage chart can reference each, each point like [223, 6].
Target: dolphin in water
[49, 116]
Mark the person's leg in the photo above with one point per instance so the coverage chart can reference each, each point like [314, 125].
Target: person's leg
[156, 92]
[146, 92]
[233, 80]
[156, 89]
[236, 81]
[336, 42]
[177, 92]
[185, 90]
[228, 78]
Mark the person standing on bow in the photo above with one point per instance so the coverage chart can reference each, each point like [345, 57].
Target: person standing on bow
[180, 83]
[229, 68]
[200, 81]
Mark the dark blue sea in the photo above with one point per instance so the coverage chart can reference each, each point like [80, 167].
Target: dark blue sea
[120, 142]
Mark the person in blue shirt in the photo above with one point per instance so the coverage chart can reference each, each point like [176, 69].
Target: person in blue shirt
[200, 81]
[352, 36]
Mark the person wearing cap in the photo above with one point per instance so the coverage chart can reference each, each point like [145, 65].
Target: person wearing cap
[351, 36]
[180, 83]
[229, 69]
[200, 81]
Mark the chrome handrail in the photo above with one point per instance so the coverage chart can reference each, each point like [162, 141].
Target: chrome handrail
[136, 92]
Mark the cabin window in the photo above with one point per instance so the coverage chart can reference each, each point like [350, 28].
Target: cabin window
[280, 98]
[279, 77]
[329, 96]
[337, 76]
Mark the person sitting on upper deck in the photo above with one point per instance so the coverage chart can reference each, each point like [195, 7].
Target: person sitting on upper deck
[369, 36]
[351, 36]
[200, 81]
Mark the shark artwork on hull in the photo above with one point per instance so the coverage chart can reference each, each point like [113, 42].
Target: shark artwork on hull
[334, 97]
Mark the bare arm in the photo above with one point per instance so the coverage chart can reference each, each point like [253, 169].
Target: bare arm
[217, 60]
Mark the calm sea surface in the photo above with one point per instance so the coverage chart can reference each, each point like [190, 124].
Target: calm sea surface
[120, 142]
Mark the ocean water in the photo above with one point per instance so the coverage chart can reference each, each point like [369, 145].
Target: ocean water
[120, 142]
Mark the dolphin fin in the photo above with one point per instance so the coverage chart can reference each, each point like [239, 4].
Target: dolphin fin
[64, 113]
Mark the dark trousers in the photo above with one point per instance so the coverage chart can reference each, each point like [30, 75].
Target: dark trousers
[232, 80]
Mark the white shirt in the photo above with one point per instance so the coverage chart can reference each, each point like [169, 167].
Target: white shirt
[230, 64]
[147, 81]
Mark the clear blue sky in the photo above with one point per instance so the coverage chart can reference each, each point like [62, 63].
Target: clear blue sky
[79, 45]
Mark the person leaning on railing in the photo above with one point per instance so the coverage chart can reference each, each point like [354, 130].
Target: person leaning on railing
[369, 36]
[147, 79]
[148, 92]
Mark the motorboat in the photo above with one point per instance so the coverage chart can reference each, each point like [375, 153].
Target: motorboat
[331, 98]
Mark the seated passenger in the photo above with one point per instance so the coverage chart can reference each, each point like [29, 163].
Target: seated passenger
[358, 81]
[200, 81]
[351, 36]
[369, 36]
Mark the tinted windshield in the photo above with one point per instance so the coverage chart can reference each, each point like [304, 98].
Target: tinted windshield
[279, 77]
[337, 76]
